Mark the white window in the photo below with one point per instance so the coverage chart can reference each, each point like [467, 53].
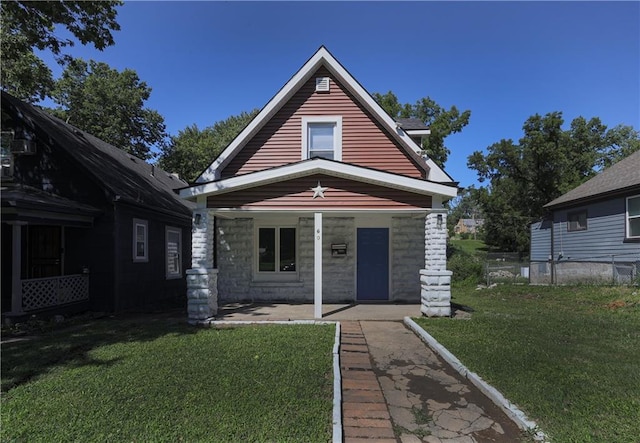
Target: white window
[633, 217]
[7, 157]
[140, 240]
[577, 221]
[276, 252]
[322, 137]
[174, 249]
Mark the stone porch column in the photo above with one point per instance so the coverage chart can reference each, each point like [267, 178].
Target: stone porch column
[435, 280]
[202, 278]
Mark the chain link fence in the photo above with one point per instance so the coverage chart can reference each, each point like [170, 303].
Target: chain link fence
[505, 267]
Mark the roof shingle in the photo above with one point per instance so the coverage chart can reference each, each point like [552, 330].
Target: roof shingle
[625, 174]
[129, 178]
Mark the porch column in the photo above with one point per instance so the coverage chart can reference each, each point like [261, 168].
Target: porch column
[16, 268]
[202, 278]
[435, 280]
[317, 260]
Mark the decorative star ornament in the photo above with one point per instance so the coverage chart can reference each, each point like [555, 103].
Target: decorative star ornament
[318, 191]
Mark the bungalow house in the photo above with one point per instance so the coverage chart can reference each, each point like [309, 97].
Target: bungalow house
[323, 197]
[592, 233]
[84, 224]
[468, 226]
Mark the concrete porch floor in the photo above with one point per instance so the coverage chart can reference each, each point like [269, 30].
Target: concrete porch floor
[304, 311]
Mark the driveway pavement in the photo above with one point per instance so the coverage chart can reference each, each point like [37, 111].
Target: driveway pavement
[386, 364]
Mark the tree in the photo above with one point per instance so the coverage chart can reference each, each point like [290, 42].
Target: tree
[110, 105]
[547, 162]
[467, 204]
[28, 25]
[192, 150]
[621, 141]
[441, 122]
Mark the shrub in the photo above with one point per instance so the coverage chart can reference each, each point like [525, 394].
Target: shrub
[465, 267]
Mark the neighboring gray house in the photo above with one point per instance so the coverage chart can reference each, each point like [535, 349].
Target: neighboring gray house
[592, 233]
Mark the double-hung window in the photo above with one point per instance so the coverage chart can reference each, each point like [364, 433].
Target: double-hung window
[633, 217]
[276, 253]
[322, 137]
[173, 249]
[140, 240]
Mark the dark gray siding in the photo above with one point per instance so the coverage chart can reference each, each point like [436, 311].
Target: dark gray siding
[144, 284]
[603, 237]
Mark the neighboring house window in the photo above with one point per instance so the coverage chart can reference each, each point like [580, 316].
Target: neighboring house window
[140, 240]
[322, 137]
[7, 156]
[277, 250]
[174, 247]
[577, 221]
[633, 217]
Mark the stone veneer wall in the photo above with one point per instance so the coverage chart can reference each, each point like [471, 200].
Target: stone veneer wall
[234, 258]
[235, 262]
[202, 293]
[407, 258]
[338, 273]
[435, 279]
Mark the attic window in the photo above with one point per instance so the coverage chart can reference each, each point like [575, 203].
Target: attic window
[322, 137]
[322, 84]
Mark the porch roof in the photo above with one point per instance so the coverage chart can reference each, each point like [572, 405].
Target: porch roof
[23, 203]
[320, 166]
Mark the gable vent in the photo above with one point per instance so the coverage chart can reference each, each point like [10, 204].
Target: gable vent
[322, 84]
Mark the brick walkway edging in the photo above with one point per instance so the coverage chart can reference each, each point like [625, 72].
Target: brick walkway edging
[511, 410]
[365, 413]
[337, 378]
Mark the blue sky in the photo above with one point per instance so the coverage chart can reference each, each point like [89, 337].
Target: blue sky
[505, 61]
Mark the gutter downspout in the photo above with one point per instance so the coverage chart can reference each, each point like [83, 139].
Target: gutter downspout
[553, 259]
[116, 266]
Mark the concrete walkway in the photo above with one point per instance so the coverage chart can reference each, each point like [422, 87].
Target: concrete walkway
[395, 389]
[304, 311]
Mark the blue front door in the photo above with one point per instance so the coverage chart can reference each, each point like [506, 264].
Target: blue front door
[373, 264]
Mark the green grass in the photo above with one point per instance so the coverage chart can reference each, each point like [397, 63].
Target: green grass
[568, 356]
[117, 380]
[472, 247]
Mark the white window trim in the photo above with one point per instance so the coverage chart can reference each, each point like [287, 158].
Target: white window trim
[277, 275]
[337, 146]
[168, 275]
[144, 223]
[629, 217]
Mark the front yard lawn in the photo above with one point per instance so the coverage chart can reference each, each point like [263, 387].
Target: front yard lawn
[568, 356]
[139, 380]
